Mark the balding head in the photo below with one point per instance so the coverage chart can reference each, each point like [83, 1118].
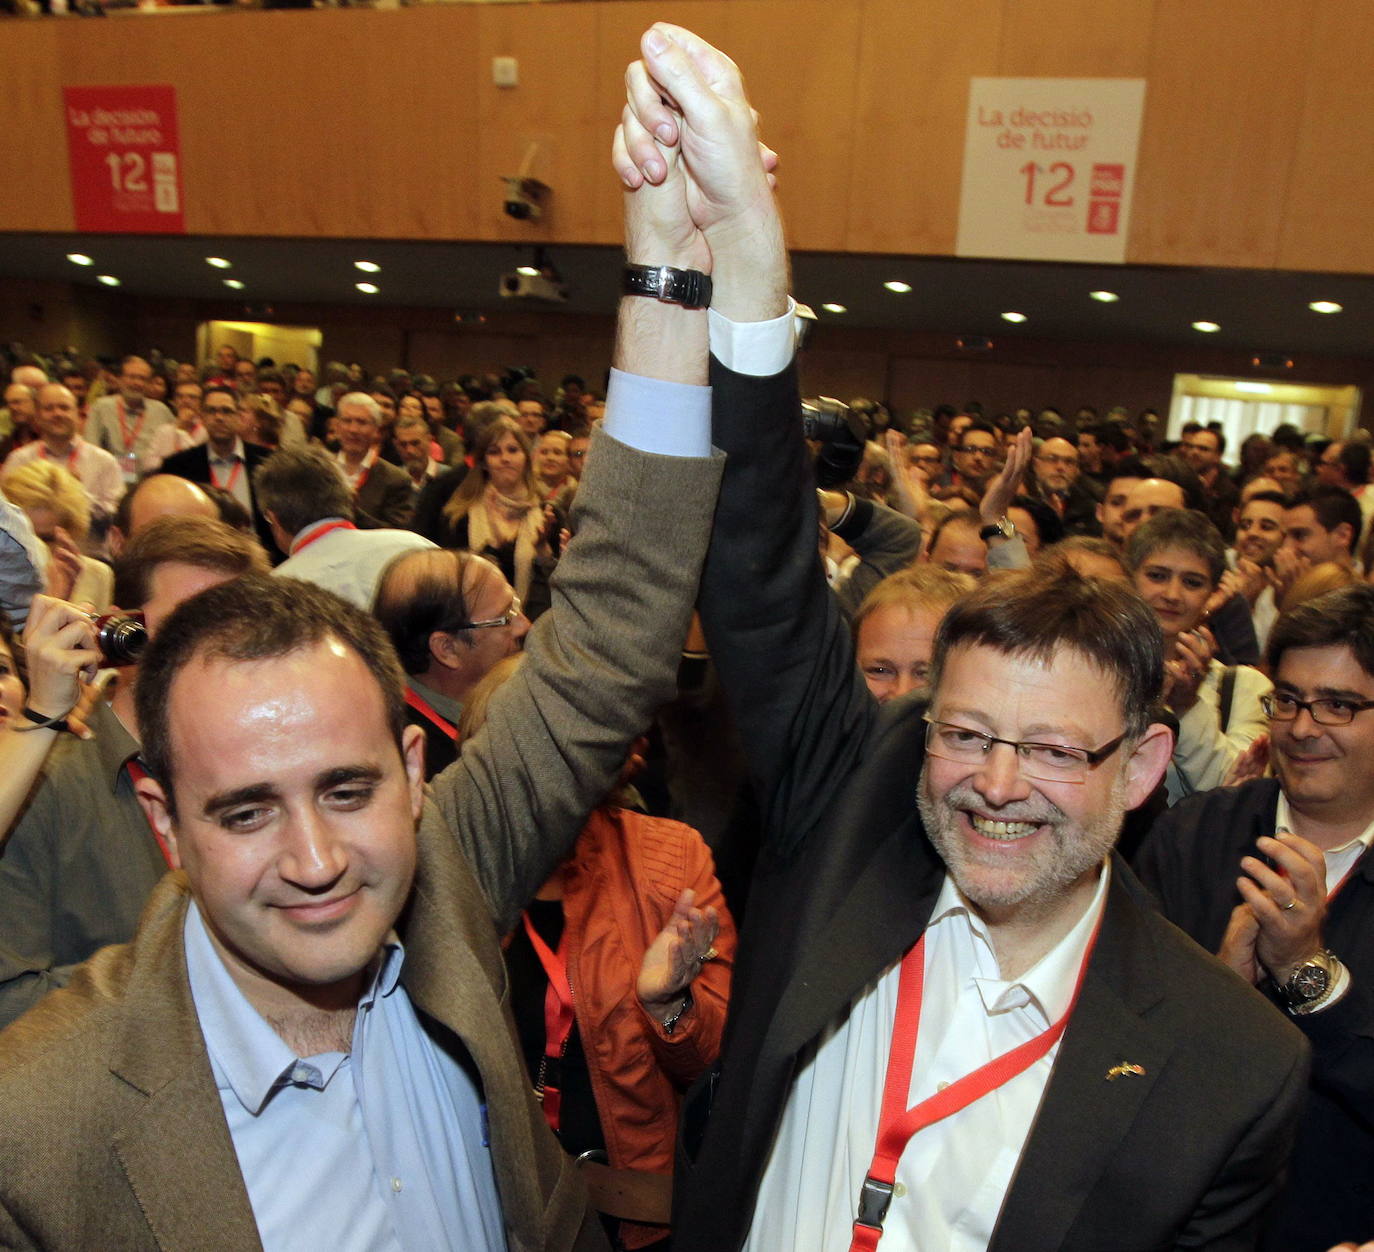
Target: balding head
[427, 601]
[1148, 497]
[160, 495]
[29, 375]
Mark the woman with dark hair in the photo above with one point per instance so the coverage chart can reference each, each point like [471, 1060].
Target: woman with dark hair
[497, 511]
[1176, 560]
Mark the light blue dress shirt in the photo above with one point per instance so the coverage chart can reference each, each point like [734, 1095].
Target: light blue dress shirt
[383, 1148]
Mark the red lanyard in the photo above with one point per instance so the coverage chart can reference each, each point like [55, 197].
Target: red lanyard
[136, 775]
[70, 458]
[320, 534]
[558, 1020]
[897, 1124]
[426, 709]
[233, 476]
[129, 440]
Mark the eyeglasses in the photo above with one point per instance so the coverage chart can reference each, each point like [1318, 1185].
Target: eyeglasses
[1327, 711]
[974, 451]
[1047, 762]
[505, 619]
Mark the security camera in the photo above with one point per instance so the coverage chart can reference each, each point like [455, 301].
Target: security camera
[525, 198]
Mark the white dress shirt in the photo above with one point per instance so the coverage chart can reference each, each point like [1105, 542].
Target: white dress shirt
[953, 1176]
[347, 562]
[169, 440]
[134, 438]
[230, 473]
[96, 470]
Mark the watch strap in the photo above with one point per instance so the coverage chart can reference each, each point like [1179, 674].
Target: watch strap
[39, 721]
[689, 288]
[1004, 528]
[671, 1024]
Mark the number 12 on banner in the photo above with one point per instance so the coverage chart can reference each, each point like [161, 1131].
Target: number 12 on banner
[1060, 177]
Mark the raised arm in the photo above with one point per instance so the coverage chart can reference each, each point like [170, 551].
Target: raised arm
[605, 657]
[775, 631]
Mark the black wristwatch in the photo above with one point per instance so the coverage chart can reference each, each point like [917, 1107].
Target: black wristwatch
[1003, 528]
[689, 288]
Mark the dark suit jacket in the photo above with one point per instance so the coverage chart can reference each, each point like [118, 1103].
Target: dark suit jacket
[1191, 861]
[385, 499]
[1185, 1155]
[194, 464]
[111, 1131]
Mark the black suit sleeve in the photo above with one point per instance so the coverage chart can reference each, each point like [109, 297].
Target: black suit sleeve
[780, 643]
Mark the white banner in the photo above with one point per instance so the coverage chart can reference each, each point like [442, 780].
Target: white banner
[1049, 168]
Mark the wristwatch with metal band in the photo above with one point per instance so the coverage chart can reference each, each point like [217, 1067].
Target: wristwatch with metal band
[1003, 528]
[1310, 984]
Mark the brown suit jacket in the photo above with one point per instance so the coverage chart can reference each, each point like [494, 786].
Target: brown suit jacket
[111, 1132]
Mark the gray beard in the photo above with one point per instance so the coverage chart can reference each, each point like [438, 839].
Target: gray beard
[1071, 850]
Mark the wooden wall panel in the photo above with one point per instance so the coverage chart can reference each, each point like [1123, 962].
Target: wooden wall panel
[1221, 123]
[1331, 188]
[1076, 39]
[554, 107]
[348, 122]
[915, 61]
[802, 78]
[35, 196]
[618, 28]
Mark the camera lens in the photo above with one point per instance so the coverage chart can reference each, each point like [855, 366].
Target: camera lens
[121, 638]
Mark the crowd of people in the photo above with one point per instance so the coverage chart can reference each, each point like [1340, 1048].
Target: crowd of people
[994, 878]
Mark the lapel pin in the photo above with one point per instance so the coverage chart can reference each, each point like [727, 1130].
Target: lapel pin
[1126, 1067]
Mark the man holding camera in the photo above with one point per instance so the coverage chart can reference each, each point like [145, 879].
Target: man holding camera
[82, 861]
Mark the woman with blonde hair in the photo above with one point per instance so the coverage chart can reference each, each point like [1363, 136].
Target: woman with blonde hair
[60, 512]
[498, 512]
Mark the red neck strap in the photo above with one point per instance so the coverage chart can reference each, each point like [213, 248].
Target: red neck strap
[558, 1020]
[302, 544]
[426, 710]
[897, 1124]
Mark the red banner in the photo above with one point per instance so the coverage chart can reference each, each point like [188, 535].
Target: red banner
[125, 158]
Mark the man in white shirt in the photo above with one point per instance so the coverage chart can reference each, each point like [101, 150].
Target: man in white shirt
[94, 468]
[1115, 1134]
[1275, 876]
[310, 510]
[124, 424]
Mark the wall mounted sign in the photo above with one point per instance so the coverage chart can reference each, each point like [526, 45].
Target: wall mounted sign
[1049, 168]
[125, 158]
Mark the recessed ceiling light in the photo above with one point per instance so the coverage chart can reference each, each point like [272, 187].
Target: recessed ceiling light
[834, 308]
[1207, 328]
[529, 271]
[368, 267]
[370, 288]
[79, 258]
[1106, 297]
[108, 279]
[1324, 306]
[899, 287]
[235, 283]
[218, 262]
[1013, 317]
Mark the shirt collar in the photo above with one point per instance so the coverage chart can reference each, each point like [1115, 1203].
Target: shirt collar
[247, 1056]
[304, 535]
[1050, 983]
[236, 455]
[445, 706]
[1283, 819]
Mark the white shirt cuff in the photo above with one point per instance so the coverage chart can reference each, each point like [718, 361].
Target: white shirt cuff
[672, 419]
[760, 349]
